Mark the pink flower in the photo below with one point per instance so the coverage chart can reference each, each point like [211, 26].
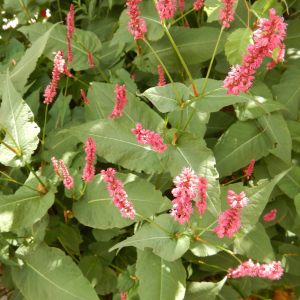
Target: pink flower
[249, 169]
[270, 216]
[136, 24]
[121, 101]
[149, 138]
[272, 271]
[185, 190]
[181, 4]
[226, 14]
[198, 4]
[166, 8]
[85, 99]
[118, 194]
[123, 296]
[132, 76]
[186, 24]
[201, 203]
[56, 166]
[237, 201]
[161, 81]
[280, 57]
[70, 30]
[89, 169]
[68, 180]
[90, 59]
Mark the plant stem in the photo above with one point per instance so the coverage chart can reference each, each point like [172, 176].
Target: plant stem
[76, 79]
[68, 251]
[203, 263]
[180, 121]
[234, 180]
[166, 71]
[60, 204]
[158, 181]
[105, 65]
[248, 13]
[202, 96]
[182, 16]
[59, 10]
[165, 183]
[33, 172]
[197, 228]
[18, 149]
[166, 231]
[12, 180]
[10, 148]
[43, 140]
[114, 266]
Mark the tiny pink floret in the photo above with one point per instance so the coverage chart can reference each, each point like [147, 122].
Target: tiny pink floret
[198, 4]
[166, 8]
[68, 180]
[121, 101]
[85, 99]
[162, 81]
[89, 169]
[249, 169]
[270, 216]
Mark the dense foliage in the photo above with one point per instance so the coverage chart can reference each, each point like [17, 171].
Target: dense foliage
[150, 150]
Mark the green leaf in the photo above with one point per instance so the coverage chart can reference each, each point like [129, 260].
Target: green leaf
[292, 42]
[255, 245]
[54, 275]
[91, 268]
[218, 123]
[162, 244]
[195, 45]
[108, 282]
[297, 204]
[125, 282]
[294, 128]
[28, 62]
[203, 290]
[165, 279]
[58, 40]
[69, 238]
[105, 235]
[24, 208]
[228, 293]
[242, 142]
[146, 201]
[261, 8]
[124, 77]
[17, 295]
[237, 44]
[17, 119]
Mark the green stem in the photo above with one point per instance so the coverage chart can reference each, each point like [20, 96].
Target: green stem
[18, 149]
[84, 187]
[234, 180]
[180, 121]
[182, 16]
[105, 65]
[60, 204]
[76, 79]
[44, 131]
[12, 180]
[103, 75]
[158, 180]
[203, 263]
[166, 231]
[114, 266]
[59, 10]
[10, 148]
[165, 183]
[228, 251]
[165, 69]
[150, 176]
[68, 251]
[197, 228]
[33, 172]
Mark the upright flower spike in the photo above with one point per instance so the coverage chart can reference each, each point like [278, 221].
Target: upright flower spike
[90, 59]
[270, 216]
[249, 169]
[121, 101]
[198, 4]
[136, 25]
[56, 166]
[149, 138]
[166, 8]
[70, 30]
[85, 99]
[237, 201]
[162, 81]
[226, 14]
[181, 4]
[201, 202]
[68, 180]
[89, 169]
[118, 194]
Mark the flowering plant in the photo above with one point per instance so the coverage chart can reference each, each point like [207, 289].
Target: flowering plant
[150, 150]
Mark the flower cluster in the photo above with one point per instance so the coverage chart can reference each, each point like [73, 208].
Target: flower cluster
[181, 4]
[198, 4]
[123, 295]
[89, 169]
[249, 169]
[56, 166]
[118, 194]
[90, 59]
[161, 81]
[229, 221]
[166, 8]
[136, 24]
[226, 14]
[68, 180]
[85, 99]
[201, 202]
[60, 67]
[70, 30]
[149, 138]
[267, 37]
[270, 216]
[121, 101]
[272, 270]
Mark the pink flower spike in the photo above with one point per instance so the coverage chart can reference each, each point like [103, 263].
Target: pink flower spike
[89, 169]
[198, 4]
[68, 180]
[270, 216]
[249, 169]
[237, 201]
[162, 81]
[149, 138]
[121, 101]
[123, 295]
[166, 8]
[226, 14]
[70, 30]
[118, 194]
[186, 24]
[181, 4]
[85, 99]
[201, 203]
[56, 166]
[90, 59]
[132, 76]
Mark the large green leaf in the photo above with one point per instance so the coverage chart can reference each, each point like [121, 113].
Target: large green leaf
[292, 42]
[237, 44]
[162, 244]
[261, 8]
[96, 200]
[242, 142]
[294, 128]
[53, 275]
[194, 44]
[203, 290]
[58, 41]
[24, 208]
[91, 268]
[17, 119]
[165, 279]
[28, 62]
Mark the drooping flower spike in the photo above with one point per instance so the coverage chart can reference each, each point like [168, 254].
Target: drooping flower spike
[68, 180]
[226, 14]
[249, 169]
[70, 30]
[89, 169]
[90, 59]
[270, 216]
[166, 8]
[85, 99]
[121, 101]
[161, 81]
[118, 194]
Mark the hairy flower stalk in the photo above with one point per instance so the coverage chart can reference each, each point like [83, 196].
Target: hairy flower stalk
[90, 59]
[226, 14]
[89, 169]
[166, 8]
[270, 216]
[201, 202]
[249, 169]
[121, 101]
[136, 25]
[118, 194]
[161, 81]
[198, 4]
[272, 270]
[149, 138]
[68, 180]
[267, 37]
[85, 99]
[59, 67]
[70, 30]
